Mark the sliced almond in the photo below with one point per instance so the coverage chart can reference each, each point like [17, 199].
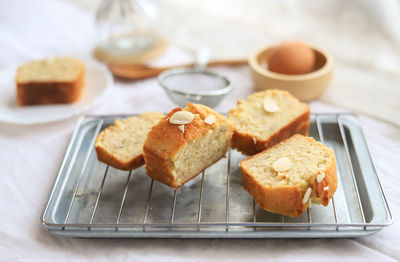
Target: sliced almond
[282, 164]
[182, 128]
[270, 106]
[307, 195]
[326, 188]
[320, 177]
[254, 140]
[210, 119]
[181, 118]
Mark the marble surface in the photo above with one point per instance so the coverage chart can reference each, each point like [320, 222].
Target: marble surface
[30, 157]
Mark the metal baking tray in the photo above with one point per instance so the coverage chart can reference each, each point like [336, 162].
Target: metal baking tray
[92, 199]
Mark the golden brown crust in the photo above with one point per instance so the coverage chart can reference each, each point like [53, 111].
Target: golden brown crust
[159, 168]
[161, 146]
[165, 140]
[282, 200]
[249, 145]
[288, 200]
[330, 180]
[41, 93]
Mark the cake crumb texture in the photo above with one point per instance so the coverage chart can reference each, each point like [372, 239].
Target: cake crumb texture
[283, 192]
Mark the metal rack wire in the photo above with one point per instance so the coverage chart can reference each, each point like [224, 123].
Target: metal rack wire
[227, 223]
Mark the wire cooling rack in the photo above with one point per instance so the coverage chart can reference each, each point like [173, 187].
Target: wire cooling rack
[91, 199]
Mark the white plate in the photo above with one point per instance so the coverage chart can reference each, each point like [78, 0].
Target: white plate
[98, 83]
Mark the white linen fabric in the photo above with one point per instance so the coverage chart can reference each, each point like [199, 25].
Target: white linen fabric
[30, 157]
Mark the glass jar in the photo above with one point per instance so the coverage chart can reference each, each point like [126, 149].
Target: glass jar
[128, 32]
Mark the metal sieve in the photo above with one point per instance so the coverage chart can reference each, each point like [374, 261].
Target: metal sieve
[197, 84]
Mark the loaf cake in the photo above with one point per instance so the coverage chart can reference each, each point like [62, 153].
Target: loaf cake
[184, 143]
[121, 145]
[266, 118]
[286, 177]
[50, 81]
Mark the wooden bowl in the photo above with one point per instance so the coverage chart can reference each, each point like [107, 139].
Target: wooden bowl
[304, 86]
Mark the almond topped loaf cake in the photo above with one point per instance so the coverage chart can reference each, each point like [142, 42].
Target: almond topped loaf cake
[121, 145]
[286, 177]
[50, 81]
[185, 143]
[266, 118]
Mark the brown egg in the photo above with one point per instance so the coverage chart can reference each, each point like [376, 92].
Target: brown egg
[291, 58]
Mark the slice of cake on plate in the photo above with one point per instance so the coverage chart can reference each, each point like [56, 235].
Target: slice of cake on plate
[50, 81]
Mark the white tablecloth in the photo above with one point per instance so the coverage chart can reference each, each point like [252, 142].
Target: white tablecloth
[30, 157]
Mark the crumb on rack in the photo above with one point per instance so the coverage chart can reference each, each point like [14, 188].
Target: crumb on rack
[80, 192]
